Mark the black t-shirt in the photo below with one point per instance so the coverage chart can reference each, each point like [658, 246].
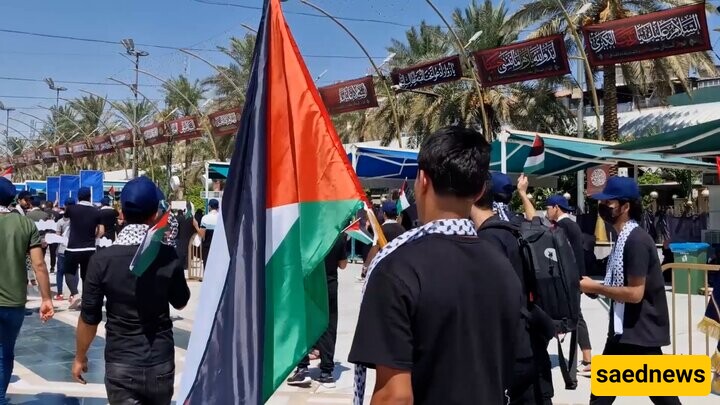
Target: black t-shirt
[185, 231]
[646, 323]
[336, 254]
[108, 219]
[575, 237]
[138, 328]
[431, 309]
[392, 230]
[84, 220]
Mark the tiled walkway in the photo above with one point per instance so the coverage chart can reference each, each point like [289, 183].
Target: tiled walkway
[45, 353]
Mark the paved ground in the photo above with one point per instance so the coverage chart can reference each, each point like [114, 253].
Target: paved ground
[45, 353]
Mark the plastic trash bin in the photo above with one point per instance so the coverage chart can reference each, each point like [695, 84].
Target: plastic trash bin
[695, 253]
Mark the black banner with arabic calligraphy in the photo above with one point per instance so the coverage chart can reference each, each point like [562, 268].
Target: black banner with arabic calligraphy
[350, 95]
[428, 74]
[655, 35]
[526, 60]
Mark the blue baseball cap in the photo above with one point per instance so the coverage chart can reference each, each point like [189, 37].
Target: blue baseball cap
[619, 188]
[389, 207]
[501, 183]
[7, 191]
[558, 200]
[84, 194]
[213, 204]
[140, 197]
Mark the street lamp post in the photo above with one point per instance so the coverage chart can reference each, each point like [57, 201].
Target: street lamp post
[129, 45]
[57, 89]
[7, 123]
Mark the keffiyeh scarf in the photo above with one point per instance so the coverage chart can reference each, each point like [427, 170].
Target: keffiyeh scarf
[4, 210]
[615, 275]
[502, 211]
[457, 227]
[132, 234]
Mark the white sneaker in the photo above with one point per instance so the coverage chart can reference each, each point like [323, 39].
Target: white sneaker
[584, 369]
[75, 303]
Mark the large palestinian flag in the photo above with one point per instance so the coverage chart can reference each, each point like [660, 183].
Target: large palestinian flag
[289, 191]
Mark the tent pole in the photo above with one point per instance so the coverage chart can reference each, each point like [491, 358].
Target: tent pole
[503, 138]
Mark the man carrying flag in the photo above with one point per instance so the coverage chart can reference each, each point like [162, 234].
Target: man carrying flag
[266, 296]
[536, 158]
[141, 278]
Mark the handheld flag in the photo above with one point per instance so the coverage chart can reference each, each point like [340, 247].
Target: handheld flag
[111, 192]
[355, 231]
[150, 246]
[8, 173]
[536, 158]
[188, 210]
[402, 202]
[265, 293]
[717, 164]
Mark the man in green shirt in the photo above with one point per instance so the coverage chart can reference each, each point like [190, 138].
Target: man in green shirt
[19, 236]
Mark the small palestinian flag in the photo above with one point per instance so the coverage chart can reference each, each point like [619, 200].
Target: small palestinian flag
[536, 158]
[355, 231]
[111, 193]
[402, 202]
[8, 173]
[150, 246]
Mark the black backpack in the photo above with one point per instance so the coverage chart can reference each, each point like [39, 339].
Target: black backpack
[552, 282]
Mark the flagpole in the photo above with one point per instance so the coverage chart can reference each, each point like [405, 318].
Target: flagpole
[381, 76]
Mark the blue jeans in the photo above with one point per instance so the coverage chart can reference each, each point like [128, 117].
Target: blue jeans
[60, 272]
[11, 319]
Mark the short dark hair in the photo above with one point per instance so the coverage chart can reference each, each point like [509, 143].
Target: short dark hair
[456, 160]
[486, 200]
[636, 209]
[502, 198]
[137, 218]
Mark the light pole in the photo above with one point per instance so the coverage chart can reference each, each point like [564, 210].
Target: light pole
[381, 76]
[463, 51]
[57, 90]
[129, 45]
[7, 123]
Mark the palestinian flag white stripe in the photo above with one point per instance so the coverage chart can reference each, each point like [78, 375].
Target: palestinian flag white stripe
[536, 158]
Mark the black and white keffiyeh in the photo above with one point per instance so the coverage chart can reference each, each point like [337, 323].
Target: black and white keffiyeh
[457, 227]
[132, 234]
[615, 275]
[502, 211]
[5, 210]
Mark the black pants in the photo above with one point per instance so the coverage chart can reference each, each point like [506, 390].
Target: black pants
[583, 334]
[53, 255]
[73, 261]
[532, 378]
[326, 343]
[130, 385]
[613, 347]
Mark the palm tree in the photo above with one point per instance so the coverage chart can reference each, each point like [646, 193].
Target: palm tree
[547, 17]
[241, 52]
[90, 111]
[184, 95]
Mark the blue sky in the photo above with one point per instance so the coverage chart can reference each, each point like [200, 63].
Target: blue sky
[178, 23]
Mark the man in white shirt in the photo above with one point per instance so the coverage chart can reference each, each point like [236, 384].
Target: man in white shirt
[207, 228]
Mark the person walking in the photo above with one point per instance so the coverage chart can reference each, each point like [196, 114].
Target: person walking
[438, 328]
[139, 348]
[639, 323]
[108, 218]
[531, 383]
[206, 228]
[63, 230]
[19, 235]
[335, 259]
[391, 229]
[85, 228]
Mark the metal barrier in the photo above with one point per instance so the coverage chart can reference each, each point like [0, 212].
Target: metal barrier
[706, 292]
[195, 267]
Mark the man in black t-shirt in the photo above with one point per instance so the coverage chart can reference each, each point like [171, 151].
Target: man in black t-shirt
[85, 228]
[139, 348]
[557, 208]
[391, 229]
[438, 327]
[108, 218]
[532, 374]
[639, 322]
[336, 258]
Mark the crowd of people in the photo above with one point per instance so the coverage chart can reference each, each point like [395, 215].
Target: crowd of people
[139, 338]
[457, 310]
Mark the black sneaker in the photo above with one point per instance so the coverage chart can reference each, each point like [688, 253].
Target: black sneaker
[327, 380]
[301, 377]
